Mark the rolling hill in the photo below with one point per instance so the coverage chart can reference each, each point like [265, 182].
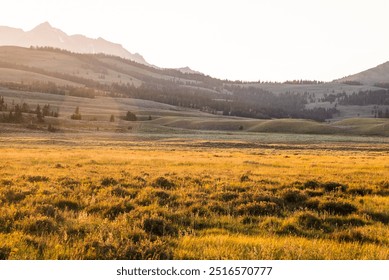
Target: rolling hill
[374, 76]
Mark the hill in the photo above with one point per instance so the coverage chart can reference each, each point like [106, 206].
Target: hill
[377, 76]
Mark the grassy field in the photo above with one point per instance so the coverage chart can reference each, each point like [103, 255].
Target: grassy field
[176, 198]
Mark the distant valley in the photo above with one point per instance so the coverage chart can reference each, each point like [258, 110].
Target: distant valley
[46, 66]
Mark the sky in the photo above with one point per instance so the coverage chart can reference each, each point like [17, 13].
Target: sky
[249, 40]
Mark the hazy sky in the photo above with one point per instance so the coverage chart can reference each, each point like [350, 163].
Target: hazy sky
[235, 39]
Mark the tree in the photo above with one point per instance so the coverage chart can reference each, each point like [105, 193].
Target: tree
[46, 110]
[39, 114]
[130, 116]
[2, 103]
[76, 115]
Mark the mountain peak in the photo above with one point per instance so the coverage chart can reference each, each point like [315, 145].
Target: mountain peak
[44, 25]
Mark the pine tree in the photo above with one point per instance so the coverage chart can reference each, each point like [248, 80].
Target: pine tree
[39, 114]
[76, 115]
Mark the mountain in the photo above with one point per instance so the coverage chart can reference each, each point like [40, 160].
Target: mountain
[187, 70]
[46, 35]
[373, 76]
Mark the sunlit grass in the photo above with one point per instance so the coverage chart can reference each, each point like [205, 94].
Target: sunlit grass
[162, 202]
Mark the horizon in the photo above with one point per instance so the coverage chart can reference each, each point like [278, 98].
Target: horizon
[341, 39]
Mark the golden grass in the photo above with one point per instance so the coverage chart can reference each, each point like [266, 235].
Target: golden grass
[185, 200]
[238, 247]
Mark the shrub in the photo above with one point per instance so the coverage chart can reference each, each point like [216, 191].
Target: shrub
[164, 198]
[248, 220]
[65, 204]
[108, 182]
[294, 196]
[314, 193]
[338, 208]
[218, 208]
[41, 225]
[13, 196]
[34, 179]
[96, 250]
[258, 208]
[334, 187]
[312, 184]
[288, 229]
[163, 183]
[379, 217]
[360, 191]
[46, 210]
[244, 178]
[120, 192]
[344, 222]
[6, 223]
[199, 210]
[159, 226]
[6, 182]
[115, 210]
[228, 196]
[312, 204]
[309, 221]
[68, 182]
[146, 249]
[4, 252]
[354, 236]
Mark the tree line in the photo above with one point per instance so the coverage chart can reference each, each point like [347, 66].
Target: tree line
[14, 113]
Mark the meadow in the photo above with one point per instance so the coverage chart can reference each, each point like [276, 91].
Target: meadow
[192, 199]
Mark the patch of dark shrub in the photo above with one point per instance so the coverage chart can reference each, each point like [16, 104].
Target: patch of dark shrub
[244, 178]
[338, 208]
[249, 220]
[96, 250]
[312, 204]
[159, 226]
[218, 208]
[258, 208]
[227, 196]
[65, 204]
[199, 210]
[379, 217]
[109, 181]
[41, 226]
[163, 183]
[115, 210]
[314, 193]
[4, 252]
[354, 236]
[6, 182]
[68, 182]
[12, 196]
[119, 192]
[334, 187]
[294, 197]
[311, 184]
[35, 179]
[309, 221]
[46, 210]
[360, 191]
